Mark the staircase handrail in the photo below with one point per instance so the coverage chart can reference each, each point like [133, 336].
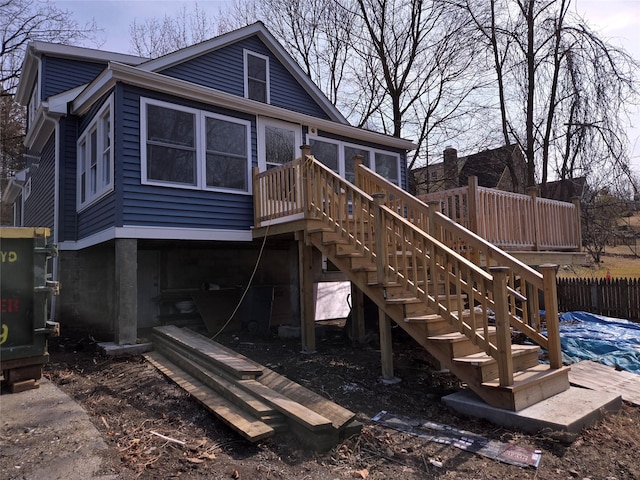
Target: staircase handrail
[343, 208]
[407, 254]
[525, 319]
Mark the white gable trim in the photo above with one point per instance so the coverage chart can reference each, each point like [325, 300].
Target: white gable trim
[180, 88]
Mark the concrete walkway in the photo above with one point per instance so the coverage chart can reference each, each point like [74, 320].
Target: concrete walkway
[44, 433]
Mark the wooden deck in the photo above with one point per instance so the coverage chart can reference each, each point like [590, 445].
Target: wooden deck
[413, 262]
[596, 376]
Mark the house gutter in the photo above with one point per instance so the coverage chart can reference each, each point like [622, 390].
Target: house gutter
[117, 72]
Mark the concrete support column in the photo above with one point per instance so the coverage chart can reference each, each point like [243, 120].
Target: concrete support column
[307, 303]
[126, 291]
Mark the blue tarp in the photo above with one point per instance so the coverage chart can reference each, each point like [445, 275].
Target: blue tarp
[610, 341]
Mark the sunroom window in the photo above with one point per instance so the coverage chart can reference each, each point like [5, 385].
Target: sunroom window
[187, 148]
[338, 156]
[227, 165]
[95, 157]
[256, 77]
[171, 145]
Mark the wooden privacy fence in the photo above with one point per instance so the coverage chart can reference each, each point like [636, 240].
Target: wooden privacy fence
[618, 297]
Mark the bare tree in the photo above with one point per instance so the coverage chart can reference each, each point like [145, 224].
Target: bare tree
[561, 90]
[402, 68]
[154, 37]
[22, 21]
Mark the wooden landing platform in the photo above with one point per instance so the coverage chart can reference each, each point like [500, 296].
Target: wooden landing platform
[596, 376]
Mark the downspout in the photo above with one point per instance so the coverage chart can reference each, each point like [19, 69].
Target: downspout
[56, 202]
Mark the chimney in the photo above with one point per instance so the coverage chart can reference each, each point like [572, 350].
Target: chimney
[451, 172]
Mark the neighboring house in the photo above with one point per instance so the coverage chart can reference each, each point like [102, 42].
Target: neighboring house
[142, 169]
[492, 167]
[564, 190]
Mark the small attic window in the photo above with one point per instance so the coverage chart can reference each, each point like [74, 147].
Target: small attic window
[256, 76]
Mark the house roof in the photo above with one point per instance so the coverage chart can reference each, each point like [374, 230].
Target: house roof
[258, 29]
[487, 165]
[145, 73]
[14, 186]
[161, 83]
[36, 49]
[564, 190]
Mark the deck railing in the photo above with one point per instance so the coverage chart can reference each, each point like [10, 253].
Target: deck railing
[402, 237]
[512, 221]
[528, 288]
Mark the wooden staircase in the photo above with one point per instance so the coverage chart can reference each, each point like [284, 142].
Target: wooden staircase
[458, 296]
[252, 399]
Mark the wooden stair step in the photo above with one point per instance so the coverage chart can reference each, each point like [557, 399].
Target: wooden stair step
[481, 358]
[530, 386]
[239, 420]
[457, 336]
[485, 368]
[239, 367]
[227, 388]
[290, 408]
[434, 317]
[526, 378]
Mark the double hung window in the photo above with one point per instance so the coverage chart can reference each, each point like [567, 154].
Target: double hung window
[256, 77]
[189, 148]
[95, 157]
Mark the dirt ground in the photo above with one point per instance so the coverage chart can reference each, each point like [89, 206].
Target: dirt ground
[130, 403]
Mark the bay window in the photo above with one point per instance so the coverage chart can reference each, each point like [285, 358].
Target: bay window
[95, 158]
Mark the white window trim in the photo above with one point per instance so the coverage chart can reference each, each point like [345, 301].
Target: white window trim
[200, 148]
[27, 189]
[264, 122]
[34, 103]
[341, 158]
[102, 188]
[247, 53]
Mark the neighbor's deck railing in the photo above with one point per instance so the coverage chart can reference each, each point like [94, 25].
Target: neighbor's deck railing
[512, 221]
[405, 253]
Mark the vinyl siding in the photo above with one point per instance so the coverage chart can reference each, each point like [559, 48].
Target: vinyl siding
[223, 70]
[39, 206]
[62, 74]
[149, 205]
[68, 219]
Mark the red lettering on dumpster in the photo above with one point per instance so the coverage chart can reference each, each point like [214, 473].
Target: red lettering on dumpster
[9, 305]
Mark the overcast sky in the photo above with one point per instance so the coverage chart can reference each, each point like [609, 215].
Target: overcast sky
[616, 20]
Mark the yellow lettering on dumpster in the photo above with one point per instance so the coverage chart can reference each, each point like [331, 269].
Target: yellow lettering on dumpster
[4, 334]
[8, 257]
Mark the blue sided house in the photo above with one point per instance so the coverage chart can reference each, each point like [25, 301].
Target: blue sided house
[175, 187]
[144, 172]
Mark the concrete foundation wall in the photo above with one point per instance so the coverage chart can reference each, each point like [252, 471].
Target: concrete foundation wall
[87, 302]
[89, 287]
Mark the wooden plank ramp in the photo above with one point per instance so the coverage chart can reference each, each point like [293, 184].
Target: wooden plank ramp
[235, 364]
[239, 420]
[249, 390]
[595, 376]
